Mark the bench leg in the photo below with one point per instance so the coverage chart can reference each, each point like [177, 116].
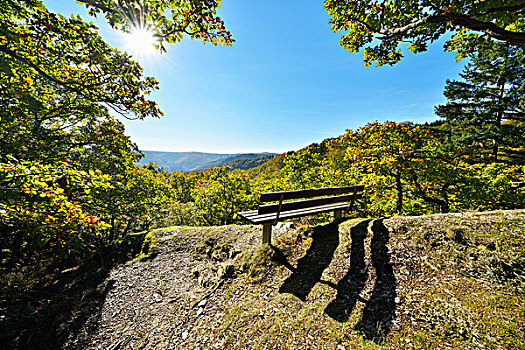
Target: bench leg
[267, 233]
[337, 214]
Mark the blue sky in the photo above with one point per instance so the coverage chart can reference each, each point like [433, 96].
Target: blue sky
[284, 84]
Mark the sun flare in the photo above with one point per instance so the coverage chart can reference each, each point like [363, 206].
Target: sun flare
[141, 41]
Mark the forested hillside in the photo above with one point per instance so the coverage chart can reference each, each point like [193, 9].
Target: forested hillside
[243, 161]
[185, 161]
[188, 161]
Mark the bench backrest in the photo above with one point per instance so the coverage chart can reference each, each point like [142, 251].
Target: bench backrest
[336, 195]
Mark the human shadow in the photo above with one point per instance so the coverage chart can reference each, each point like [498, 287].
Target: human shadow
[379, 311]
[310, 267]
[351, 285]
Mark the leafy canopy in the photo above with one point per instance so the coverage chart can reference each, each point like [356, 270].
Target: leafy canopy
[169, 19]
[54, 65]
[382, 27]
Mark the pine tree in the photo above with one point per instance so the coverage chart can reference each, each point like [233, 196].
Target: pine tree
[485, 111]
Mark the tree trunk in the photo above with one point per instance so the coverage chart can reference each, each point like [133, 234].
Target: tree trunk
[501, 109]
[399, 188]
[128, 225]
[112, 229]
[495, 151]
[441, 203]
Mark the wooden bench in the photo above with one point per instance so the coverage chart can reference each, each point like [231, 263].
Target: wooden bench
[335, 199]
[518, 184]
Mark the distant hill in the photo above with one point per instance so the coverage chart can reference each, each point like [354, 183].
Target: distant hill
[187, 161]
[241, 161]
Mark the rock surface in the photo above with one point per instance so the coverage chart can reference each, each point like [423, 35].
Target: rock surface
[150, 304]
[429, 282]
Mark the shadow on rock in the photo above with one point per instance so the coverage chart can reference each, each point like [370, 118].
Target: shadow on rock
[310, 267]
[351, 285]
[72, 302]
[380, 309]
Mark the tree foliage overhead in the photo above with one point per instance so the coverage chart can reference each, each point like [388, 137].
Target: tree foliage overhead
[381, 27]
[485, 111]
[56, 66]
[169, 19]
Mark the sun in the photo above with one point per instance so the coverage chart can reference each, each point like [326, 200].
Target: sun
[140, 41]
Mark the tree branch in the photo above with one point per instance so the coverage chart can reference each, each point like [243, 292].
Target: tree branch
[458, 19]
[488, 28]
[68, 85]
[442, 203]
[390, 32]
[13, 54]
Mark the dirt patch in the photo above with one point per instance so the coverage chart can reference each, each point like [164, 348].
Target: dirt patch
[151, 298]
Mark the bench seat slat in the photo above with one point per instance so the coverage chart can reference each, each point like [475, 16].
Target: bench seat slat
[255, 218]
[317, 192]
[300, 212]
[246, 214]
[307, 203]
